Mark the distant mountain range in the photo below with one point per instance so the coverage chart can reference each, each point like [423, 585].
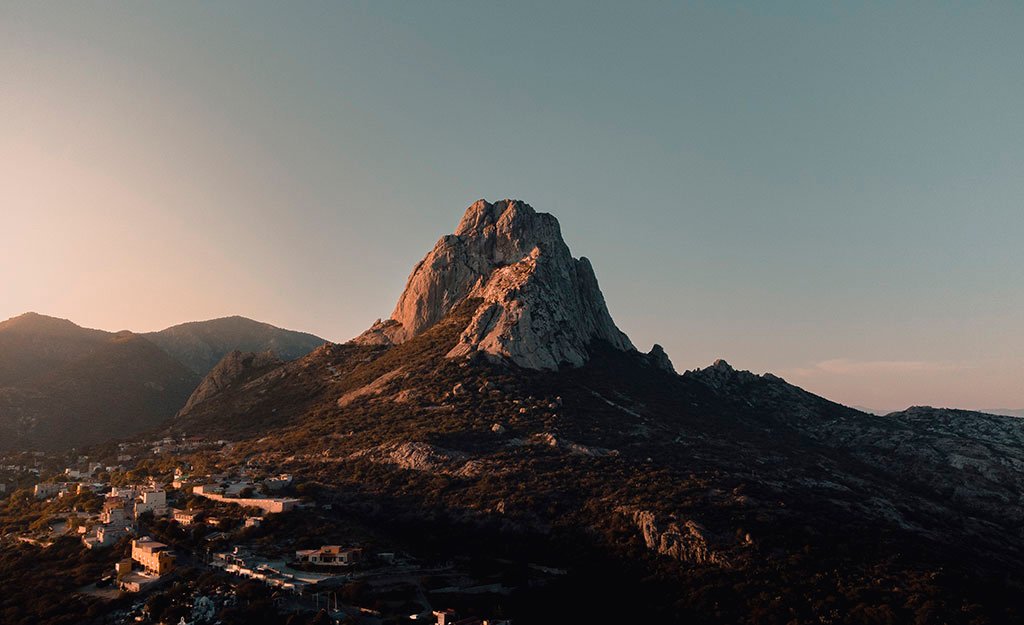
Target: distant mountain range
[62, 385]
[1005, 412]
[199, 345]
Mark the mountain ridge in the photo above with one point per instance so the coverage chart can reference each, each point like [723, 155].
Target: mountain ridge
[64, 385]
[200, 345]
[119, 385]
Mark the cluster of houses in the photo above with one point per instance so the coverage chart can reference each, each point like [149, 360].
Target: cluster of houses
[124, 504]
[152, 563]
[46, 490]
[77, 480]
[18, 466]
[121, 507]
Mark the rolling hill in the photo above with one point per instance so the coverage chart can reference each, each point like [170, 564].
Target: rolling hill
[63, 386]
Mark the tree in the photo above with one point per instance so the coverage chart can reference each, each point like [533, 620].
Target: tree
[156, 605]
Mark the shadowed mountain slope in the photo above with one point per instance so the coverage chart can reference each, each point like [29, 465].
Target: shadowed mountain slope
[94, 386]
[199, 345]
[62, 385]
[734, 497]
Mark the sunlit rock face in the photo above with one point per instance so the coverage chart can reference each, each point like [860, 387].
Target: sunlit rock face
[541, 308]
[231, 367]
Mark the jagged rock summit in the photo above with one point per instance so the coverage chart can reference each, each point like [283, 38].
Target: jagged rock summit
[540, 307]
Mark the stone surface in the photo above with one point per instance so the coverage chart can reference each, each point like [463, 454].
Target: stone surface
[233, 366]
[660, 359]
[541, 308]
[686, 541]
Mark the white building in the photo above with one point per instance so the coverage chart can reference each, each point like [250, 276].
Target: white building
[330, 555]
[114, 515]
[186, 517]
[49, 489]
[104, 536]
[154, 501]
[114, 525]
[127, 492]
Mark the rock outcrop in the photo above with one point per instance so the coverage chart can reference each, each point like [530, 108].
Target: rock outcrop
[419, 456]
[235, 366]
[721, 374]
[660, 359]
[687, 541]
[540, 307]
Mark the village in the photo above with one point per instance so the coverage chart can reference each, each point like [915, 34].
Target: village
[242, 526]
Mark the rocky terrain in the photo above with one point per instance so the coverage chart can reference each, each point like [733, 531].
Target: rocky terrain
[235, 368]
[540, 307]
[494, 401]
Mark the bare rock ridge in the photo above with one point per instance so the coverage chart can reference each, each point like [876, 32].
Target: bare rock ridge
[540, 307]
[660, 359]
[233, 367]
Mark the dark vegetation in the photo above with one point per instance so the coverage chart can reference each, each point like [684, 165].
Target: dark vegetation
[106, 386]
[200, 344]
[38, 584]
[784, 508]
[767, 504]
[64, 386]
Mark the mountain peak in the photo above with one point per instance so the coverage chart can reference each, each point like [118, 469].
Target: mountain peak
[540, 307]
[660, 359]
[35, 322]
[201, 344]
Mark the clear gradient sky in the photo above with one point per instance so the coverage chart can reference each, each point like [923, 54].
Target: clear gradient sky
[832, 192]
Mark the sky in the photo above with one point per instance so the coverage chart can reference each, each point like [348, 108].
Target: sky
[828, 191]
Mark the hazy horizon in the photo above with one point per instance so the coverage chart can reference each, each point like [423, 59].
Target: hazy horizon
[830, 194]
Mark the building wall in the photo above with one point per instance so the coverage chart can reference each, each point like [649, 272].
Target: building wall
[159, 562]
[268, 505]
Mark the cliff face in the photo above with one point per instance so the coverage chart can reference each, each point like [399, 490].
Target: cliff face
[541, 308]
[234, 367]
